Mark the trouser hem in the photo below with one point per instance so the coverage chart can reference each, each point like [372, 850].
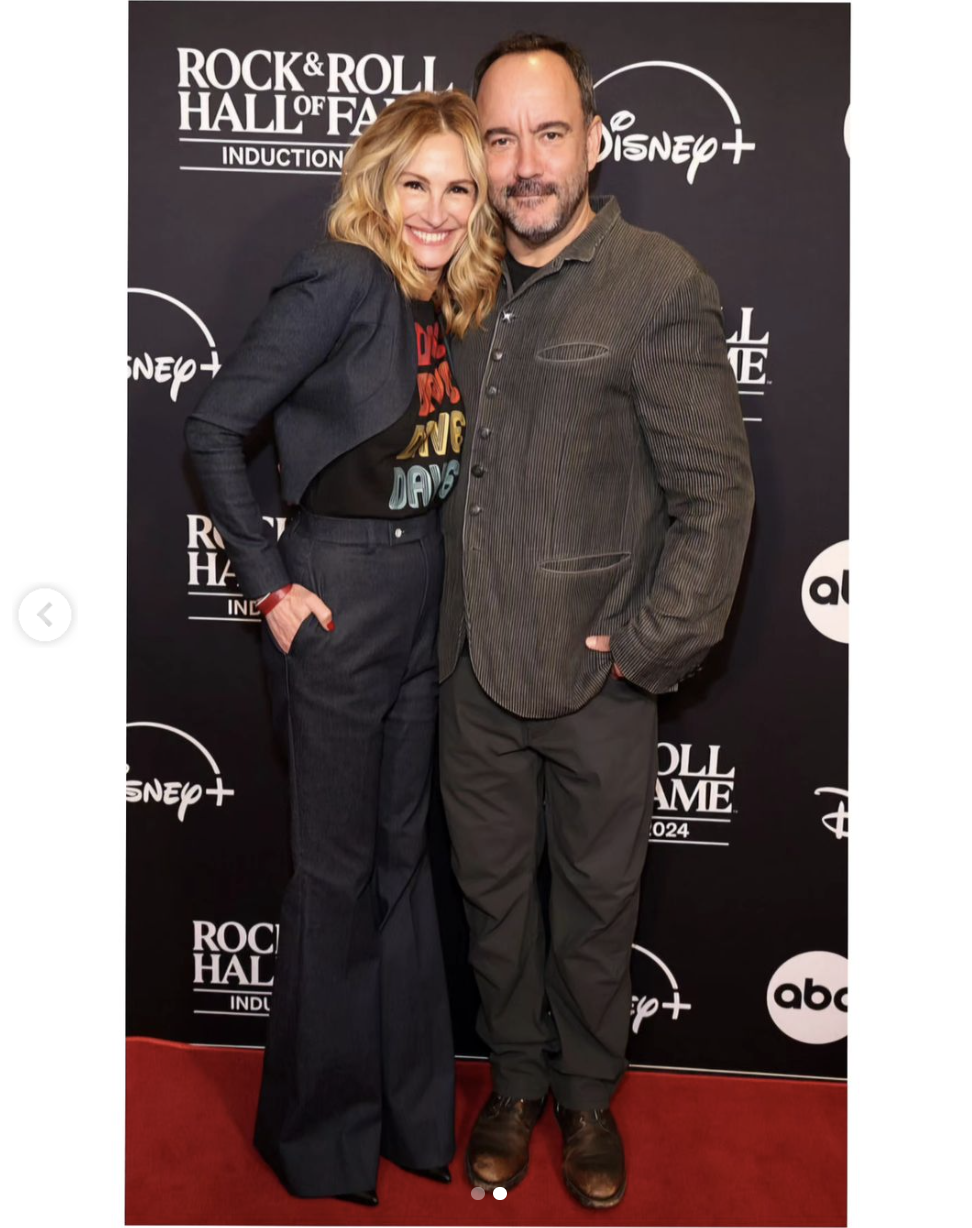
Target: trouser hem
[307, 1182]
[433, 1161]
[516, 1089]
[577, 1094]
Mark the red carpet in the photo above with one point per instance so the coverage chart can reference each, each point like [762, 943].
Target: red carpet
[702, 1150]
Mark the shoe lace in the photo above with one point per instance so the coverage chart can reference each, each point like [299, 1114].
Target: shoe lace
[596, 1117]
[499, 1103]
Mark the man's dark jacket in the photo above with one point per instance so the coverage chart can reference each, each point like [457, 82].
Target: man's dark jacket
[605, 487]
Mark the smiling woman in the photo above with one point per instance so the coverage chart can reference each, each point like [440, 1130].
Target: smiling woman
[435, 207]
[350, 357]
[414, 191]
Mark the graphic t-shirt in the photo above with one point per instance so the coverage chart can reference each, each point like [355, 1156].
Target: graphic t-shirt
[411, 466]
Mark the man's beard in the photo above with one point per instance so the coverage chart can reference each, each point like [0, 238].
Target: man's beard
[569, 196]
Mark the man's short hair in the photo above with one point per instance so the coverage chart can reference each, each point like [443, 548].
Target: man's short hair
[522, 42]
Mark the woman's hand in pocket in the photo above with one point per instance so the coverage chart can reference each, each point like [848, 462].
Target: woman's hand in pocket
[285, 619]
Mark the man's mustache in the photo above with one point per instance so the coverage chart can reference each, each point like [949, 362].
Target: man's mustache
[530, 187]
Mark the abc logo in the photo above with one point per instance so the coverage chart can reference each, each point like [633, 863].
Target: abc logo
[826, 592]
[807, 997]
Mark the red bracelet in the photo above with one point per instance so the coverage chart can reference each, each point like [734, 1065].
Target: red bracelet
[272, 600]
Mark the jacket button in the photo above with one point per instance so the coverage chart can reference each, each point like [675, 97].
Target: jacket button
[484, 432]
[497, 355]
[492, 390]
[475, 510]
[478, 471]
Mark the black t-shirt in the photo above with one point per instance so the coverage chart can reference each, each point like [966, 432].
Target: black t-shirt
[411, 466]
[520, 272]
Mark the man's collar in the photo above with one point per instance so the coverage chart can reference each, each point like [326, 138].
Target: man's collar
[606, 213]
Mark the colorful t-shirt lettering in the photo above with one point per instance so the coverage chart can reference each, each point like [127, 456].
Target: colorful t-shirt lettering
[411, 466]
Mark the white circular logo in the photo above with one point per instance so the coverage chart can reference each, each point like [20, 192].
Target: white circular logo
[826, 592]
[807, 997]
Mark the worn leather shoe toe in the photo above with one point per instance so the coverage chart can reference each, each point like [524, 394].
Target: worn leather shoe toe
[499, 1147]
[594, 1169]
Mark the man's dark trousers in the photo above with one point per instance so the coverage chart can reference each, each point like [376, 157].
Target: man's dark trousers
[583, 784]
[359, 1060]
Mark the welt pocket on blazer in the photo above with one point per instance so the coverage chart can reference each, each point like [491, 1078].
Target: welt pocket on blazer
[587, 562]
[573, 351]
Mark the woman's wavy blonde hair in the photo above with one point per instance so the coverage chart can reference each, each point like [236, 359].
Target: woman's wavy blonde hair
[367, 210]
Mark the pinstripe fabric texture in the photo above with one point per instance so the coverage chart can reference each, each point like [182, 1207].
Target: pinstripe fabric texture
[332, 357]
[606, 487]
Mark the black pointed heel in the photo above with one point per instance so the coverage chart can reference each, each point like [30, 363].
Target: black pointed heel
[366, 1198]
[439, 1173]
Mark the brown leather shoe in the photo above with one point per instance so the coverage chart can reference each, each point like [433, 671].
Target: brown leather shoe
[499, 1146]
[593, 1156]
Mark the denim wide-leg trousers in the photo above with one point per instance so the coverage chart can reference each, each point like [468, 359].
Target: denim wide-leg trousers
[359, 1059]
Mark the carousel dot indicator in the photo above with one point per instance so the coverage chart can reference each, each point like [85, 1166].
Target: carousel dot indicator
[478, 1192]
[500, 1193]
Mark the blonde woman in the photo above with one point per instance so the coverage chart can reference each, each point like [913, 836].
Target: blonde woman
[350, 356]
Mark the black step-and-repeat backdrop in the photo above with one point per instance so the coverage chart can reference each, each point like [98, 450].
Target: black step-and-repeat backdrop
[725, 128]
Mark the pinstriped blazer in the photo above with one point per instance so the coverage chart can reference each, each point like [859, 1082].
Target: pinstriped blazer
[332, 357]
[606, 486]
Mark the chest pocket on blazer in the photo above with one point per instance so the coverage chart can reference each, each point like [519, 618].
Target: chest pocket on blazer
[573, 351]
[590, 562]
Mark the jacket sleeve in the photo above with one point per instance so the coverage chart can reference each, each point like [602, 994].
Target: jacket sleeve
[293, 335]
[687, 403]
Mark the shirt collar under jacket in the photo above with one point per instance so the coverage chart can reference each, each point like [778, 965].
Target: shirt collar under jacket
[607, 211]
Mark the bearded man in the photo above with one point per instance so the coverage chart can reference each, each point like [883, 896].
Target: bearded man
[593, 549]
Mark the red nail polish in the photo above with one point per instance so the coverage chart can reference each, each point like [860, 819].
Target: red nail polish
[329, 624]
